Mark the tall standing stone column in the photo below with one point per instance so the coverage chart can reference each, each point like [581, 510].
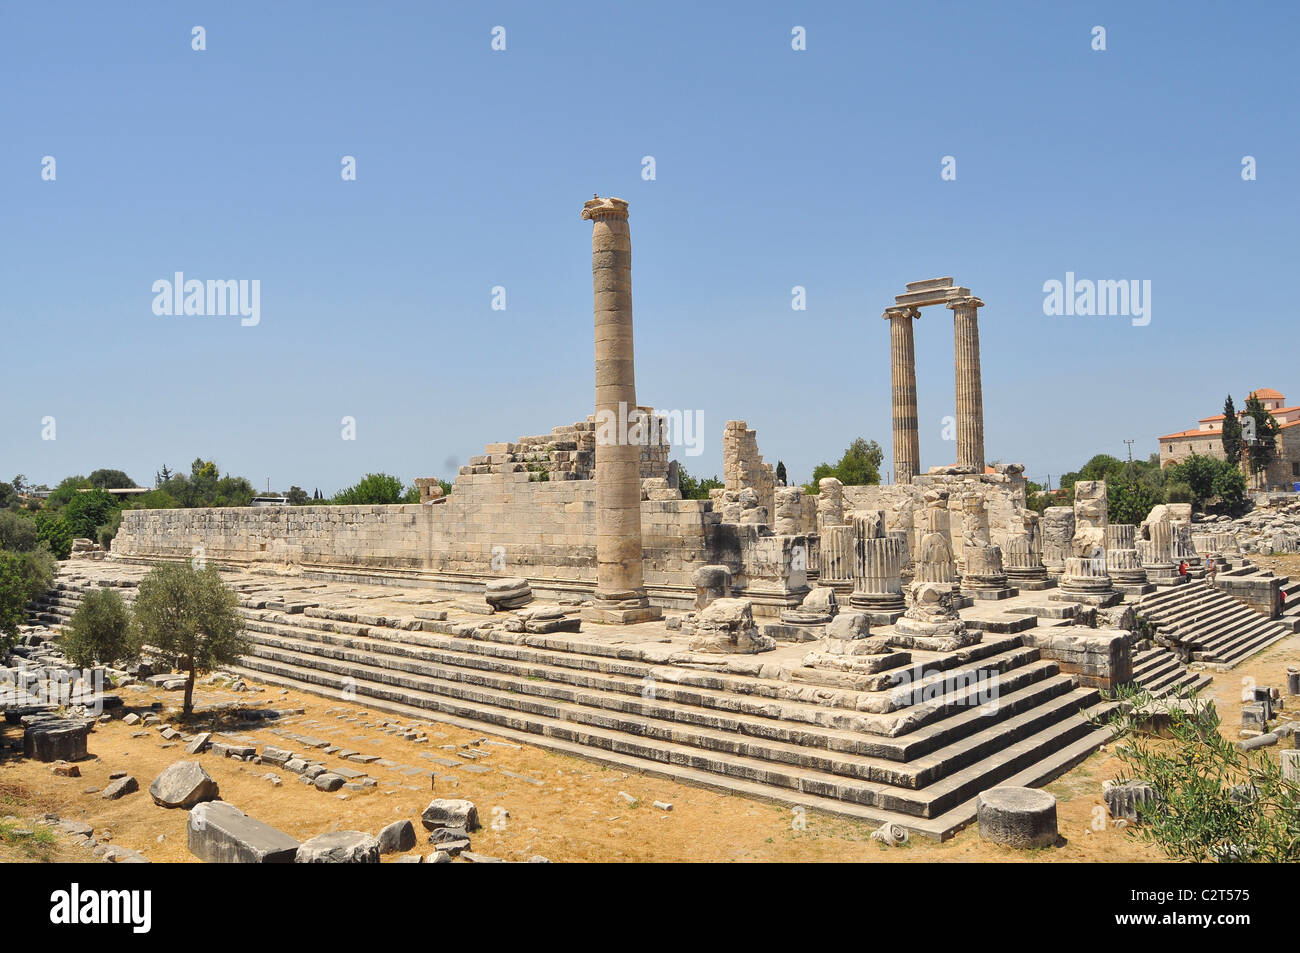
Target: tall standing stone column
[902, 367]
[970, 391]
[620, 588]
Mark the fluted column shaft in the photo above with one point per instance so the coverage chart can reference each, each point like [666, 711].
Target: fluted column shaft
[970, 390]
[619, 576]
[902, 367]
[838, 556]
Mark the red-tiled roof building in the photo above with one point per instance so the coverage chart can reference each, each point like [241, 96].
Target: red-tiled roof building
[1207, 439]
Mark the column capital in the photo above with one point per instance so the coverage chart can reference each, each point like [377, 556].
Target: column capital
[597, 209]
[901, 311]
[964, 301]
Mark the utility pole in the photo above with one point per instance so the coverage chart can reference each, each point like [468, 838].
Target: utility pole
[1130, 452]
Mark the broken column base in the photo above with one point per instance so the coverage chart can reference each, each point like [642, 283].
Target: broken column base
[1005, 592]
[1032, 583]
[1101, 600]
[879, 608]
[933, 636]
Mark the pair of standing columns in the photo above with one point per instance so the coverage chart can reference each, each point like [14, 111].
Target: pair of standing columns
[970, 391]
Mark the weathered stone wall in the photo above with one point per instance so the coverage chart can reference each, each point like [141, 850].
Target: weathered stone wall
[493, 524]
[743, 467]
[569, 452]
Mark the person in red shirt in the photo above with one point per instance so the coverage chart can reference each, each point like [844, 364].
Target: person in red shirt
[1182, 568]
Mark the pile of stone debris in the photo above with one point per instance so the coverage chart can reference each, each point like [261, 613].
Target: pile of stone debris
[1273, 526]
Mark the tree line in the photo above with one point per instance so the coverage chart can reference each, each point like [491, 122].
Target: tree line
[81, 507]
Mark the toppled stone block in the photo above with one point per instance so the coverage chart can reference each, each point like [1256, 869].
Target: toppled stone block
[339, 847]
[711, 582]
[120, 788]
[276, 756]
[397, 838]
[328, 782]
[56, 739]
[220, 833]
[848, 626]
[727, 626]
[450, 812]
[509, 593]
[817, 607]
[183, 784]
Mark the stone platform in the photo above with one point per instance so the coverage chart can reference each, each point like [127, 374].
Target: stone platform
[913, 742]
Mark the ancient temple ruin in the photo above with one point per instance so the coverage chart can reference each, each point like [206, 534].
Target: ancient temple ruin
[883, 651]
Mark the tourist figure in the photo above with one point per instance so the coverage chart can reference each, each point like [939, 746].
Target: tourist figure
[1211, 568]
[1182, 569]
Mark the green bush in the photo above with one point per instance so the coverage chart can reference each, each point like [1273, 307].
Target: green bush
[858, 466]
[374, 489]
[24, 576]
[85, 512]
[111, 480]
[1129, 501]
[1213, 801]
[56, 532]
[17, 532]
[696, 489]
[99, 631]
[106, 532]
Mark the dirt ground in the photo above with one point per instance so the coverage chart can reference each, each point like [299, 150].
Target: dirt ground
[571, 810]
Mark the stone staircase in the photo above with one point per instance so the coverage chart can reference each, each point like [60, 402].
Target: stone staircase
[1160, 672]
[1214, 627]
[1291, 609]
[917, 753]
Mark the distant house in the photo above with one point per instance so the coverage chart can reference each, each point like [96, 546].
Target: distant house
[1206, 439]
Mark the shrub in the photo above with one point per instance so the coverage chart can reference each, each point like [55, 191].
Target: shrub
[99, 631]
[87, 511]
[23, 577]
[1213, 801]
[374, 488]
[17, 532]
[56, 532]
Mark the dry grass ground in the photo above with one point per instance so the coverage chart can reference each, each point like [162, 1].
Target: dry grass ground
[571, 811]
[576, 813]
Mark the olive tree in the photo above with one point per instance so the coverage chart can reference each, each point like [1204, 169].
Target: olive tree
[190, 615]
[99, 631]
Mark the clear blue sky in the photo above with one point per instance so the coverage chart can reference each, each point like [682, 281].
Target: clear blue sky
[775, 168]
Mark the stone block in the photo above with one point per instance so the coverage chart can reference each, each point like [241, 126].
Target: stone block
[56, 739]
[183, 784]
[339, 847]
[220, 833]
